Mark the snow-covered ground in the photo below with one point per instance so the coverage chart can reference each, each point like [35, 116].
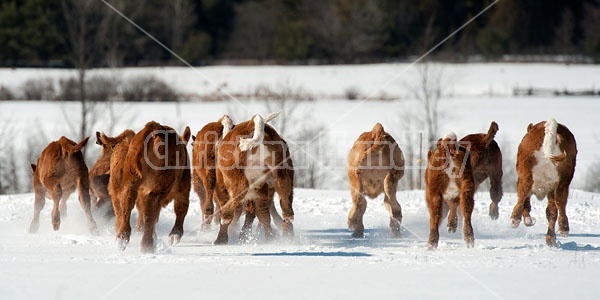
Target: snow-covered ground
[321, 262]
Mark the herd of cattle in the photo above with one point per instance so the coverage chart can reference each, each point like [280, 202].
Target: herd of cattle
[237, 169]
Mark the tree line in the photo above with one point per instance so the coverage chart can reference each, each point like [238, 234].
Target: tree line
[67, 33]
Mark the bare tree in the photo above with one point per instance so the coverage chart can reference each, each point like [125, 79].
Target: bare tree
[420, 122]
[311, 152]
[36, 140]
[592, 179]
[15, 172]
[286, 99]
[428, 89]
[411, 139]
[82, 18]
[9, 181]
[309, 156]
[117, 116]
[509, 169]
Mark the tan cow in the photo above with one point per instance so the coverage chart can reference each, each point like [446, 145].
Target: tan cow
[375, 165]
[59, 171]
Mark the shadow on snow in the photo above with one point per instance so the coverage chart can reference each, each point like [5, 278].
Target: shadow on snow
[316, 254]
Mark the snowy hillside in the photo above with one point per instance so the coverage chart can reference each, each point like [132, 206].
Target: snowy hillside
[321, 262]
[323, 81]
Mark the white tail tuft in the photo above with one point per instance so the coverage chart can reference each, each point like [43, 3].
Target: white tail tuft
[258, 135]
[549, 146]
[272, 116]
[451, 136]
[227, 124]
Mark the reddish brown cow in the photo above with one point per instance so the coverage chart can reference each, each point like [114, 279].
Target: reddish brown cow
[248, 168]
[545, 166]
[60, 170]
[100, 172]
[204, 164]
[375, 165]
[449, 178]
[152, 168]
[486, 161]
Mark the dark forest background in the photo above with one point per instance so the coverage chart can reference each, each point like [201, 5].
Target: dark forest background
[56, 33]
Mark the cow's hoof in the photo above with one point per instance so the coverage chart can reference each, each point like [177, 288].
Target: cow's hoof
[245, 236]
[514, 222]
[33, 228]
[221, 240]
[529, 221]
[551, 241]
[175, 239]
[470, 242]
[147, 248]
[493, 212]
[452, 228]
[93, 228]
[287, 228]
[395, 233]
[358, 235]
[121, 244]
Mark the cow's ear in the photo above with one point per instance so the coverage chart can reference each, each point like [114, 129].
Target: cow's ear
[193, 138]
[81, 144]
[99, 138]
[186, 134]
[33, 168]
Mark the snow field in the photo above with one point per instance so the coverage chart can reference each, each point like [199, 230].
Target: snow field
[322, 261]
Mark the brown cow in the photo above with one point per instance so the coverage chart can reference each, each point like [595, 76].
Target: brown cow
[375, 165]
[204, 162]
[449, 178]
[486, 161]
[545, 166]
[152, 168]
[248, 168]
[100, 172]
[60, 170]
